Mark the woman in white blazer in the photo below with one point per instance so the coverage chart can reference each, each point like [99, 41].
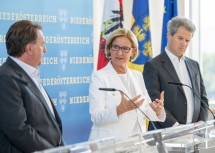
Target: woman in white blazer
[112, 113]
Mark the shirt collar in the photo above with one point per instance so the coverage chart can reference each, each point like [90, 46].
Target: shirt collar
[30, 70]
[172, 56]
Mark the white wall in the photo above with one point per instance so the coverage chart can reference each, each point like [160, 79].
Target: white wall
[156, 18]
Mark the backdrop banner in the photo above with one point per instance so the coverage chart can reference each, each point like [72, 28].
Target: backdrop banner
[68, 63]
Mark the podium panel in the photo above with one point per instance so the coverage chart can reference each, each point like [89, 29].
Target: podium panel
[198, 137]
[143, 142]
[106, 145]
[209, 139]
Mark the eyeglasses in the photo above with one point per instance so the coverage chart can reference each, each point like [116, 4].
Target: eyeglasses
[125, 49]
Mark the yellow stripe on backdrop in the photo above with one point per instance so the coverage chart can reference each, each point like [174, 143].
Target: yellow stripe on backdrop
[136, 66]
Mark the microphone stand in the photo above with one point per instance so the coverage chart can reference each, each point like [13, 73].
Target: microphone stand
[201, 100]
[181, 84]
[157, 136]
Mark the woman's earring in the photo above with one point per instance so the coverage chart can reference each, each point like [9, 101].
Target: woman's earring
[130, 59]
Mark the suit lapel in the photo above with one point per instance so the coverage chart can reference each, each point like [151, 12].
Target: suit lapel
[191, 73]
[134, 82]
[23, 77]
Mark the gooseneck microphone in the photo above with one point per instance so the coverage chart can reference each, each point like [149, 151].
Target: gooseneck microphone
[181, 84]
[176, 83]
[108, 89]
[157, 136]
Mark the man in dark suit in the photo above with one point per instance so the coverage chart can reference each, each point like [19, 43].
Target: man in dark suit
[181, 104]
[28, 119]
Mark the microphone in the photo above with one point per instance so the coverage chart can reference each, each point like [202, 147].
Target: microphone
[157, 136]
[181, 84]
[113, 89]
[108, 89]
[176, 83]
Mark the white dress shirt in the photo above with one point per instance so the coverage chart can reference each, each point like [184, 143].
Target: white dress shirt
[182, 72]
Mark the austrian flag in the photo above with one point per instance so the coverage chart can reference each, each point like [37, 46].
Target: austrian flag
[112, 20]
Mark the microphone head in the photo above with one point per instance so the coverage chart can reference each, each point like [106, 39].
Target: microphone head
[107, 89]
[176, 83]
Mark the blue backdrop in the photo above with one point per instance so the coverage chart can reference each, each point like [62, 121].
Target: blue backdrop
[68, 63]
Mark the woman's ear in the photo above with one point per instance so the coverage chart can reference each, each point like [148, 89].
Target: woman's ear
[133, 54]
[109, 54]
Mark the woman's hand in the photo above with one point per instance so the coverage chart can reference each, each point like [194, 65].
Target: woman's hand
[127, 105]
[158, 104]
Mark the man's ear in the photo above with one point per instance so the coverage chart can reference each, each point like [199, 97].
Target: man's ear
[28, 49]
[169, 35]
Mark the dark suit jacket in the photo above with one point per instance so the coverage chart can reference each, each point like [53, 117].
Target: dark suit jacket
[157, 73]
[26, 123]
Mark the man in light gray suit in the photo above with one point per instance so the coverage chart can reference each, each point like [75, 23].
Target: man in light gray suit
[181, 104]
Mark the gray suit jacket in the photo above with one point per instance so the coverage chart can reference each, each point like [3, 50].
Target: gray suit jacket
[157, 73]
[26, 123]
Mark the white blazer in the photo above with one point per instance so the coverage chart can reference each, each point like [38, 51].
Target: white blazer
[103, 105]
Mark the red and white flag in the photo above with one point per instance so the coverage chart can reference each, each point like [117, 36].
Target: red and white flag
[112, 19]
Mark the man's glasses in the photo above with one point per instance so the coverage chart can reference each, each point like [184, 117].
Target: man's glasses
[125, 49]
